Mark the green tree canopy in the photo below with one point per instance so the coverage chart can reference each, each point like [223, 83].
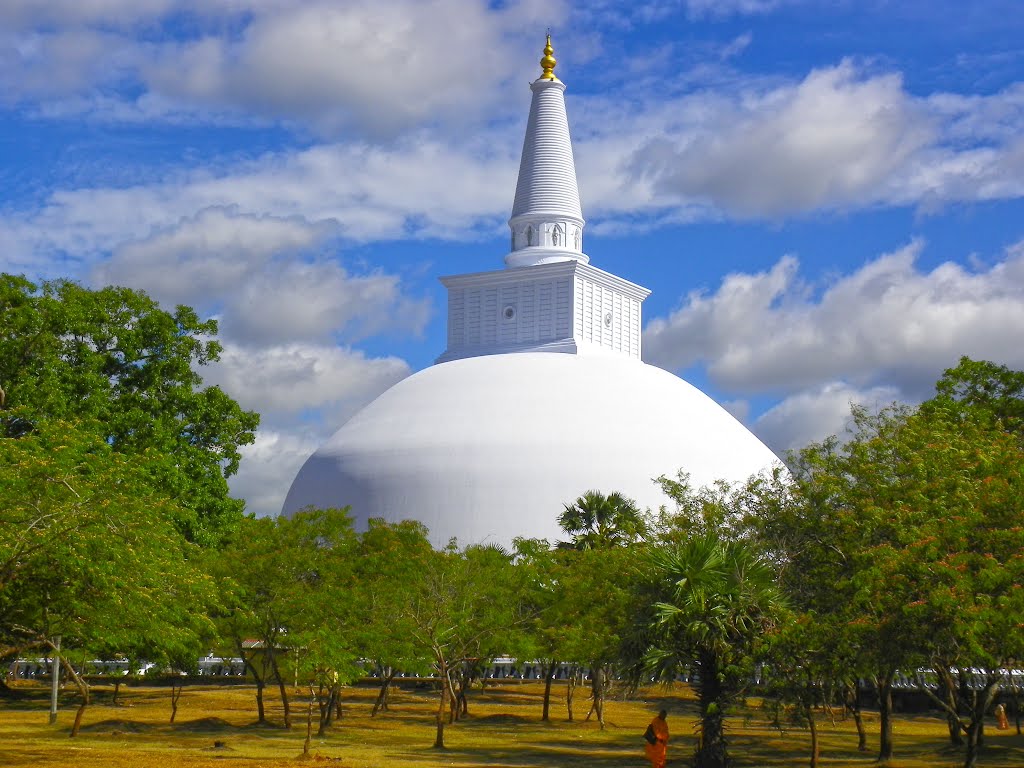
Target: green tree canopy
[288, 584]
[981, 388]
[463, 606]
[113, 359]
[599, 521]
[702, 606]
[88, 553]
[907, 539]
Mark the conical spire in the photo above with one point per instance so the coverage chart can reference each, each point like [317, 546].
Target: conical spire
[547, 221]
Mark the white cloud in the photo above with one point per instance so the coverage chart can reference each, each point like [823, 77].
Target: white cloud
[736, 46]
[294, 301]
[834, 140]
[269, 279]
[839, 139]
[286, 381]
[417, 188]
[303, 392]
[58, 64]
[32, 13]
[202, 257]
[887, 321]
[722, 8]
[376, 66]
[816, 413]
[268, 467]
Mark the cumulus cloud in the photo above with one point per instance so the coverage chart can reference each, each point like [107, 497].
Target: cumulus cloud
[268, 467]
[269, 279]
[417, 188]
[840, 139]
[371, 66]
[816, 413]
[376, 66]
[293, 301]
[287, 380]
[888, 320]
[207, 255]
[304, 392]
[834, 139]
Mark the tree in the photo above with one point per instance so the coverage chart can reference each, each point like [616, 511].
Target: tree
[703, 605]
[288, 585]
[601, 526]
[88, 554]
[392, 557]
[113, 359]
[908, 535]
[980, 387]
[464, 606]
[546, 630]
[597, 521]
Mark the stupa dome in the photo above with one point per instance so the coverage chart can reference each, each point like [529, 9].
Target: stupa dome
[489, 448]
[541, 394]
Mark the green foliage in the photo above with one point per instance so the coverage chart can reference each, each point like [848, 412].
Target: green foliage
[113, 359]
[906, 541]
[599, 521]
[87, 551]
[392, 558]
[982, 389]
[703, 605]
[289, 583]
[463, 606]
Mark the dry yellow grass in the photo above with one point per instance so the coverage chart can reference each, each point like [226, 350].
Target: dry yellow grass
[503, 729]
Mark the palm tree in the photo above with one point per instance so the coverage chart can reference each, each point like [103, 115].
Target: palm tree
[596, 521]
[705, 603]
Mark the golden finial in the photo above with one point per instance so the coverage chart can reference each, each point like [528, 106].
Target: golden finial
[548, 62]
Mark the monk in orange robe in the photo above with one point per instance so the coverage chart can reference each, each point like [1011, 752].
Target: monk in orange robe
[657, 752]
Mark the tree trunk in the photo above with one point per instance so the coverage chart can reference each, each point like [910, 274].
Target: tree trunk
[853, 704]
[980, 703]
[883, 686]
[442, 705]
[247, 662]
[570, 690]
[711, 750]
[1016, 707]
[453, 696]
[948, 693]
[326, 701]
[282, 687]
[549, 677]
[813, 727]
[459, 703]
[597, 689]
[309, 721]
[83, 690]
[387, 675]
[974, 734]
[175, 696]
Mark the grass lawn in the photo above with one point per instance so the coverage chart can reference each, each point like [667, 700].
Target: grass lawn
[215, 726]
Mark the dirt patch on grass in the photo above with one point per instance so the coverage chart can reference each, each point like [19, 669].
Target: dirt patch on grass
[502, 719]
[117, 726]
[205, 724]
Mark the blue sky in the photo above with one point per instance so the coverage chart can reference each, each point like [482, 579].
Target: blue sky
[827, 199]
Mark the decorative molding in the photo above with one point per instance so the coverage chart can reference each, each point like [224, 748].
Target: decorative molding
[565, 306]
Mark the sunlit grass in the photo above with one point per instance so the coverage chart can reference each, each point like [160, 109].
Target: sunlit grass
[215, 726]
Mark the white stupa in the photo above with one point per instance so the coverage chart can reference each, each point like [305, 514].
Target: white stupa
[541, 394]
